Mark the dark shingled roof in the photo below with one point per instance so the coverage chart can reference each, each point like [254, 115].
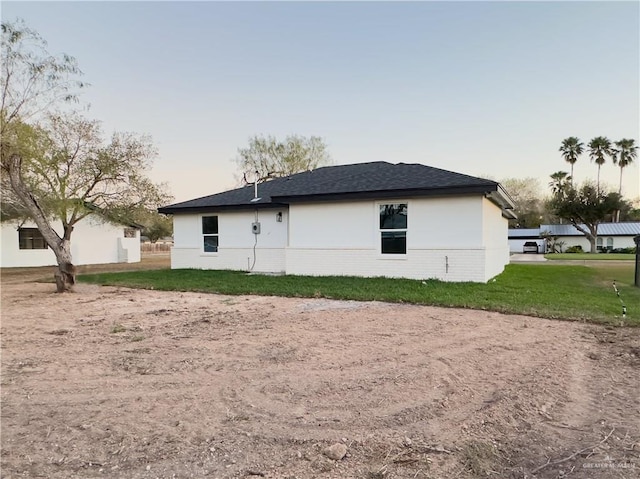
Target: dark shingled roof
[345, 182]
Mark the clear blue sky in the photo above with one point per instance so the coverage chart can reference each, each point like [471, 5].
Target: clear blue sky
[482, 88]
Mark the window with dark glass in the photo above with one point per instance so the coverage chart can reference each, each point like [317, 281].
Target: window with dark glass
[210, 234]
[31, 238]
[393, 228]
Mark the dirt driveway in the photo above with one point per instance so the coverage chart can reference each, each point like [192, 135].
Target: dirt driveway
[120, 383]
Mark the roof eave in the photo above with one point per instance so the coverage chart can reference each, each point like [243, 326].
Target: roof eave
[501, 198]
[169, 210]
[493, 191]
[509, 214]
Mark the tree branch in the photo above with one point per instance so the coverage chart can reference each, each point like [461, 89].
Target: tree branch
[14, 167]
[568, 458]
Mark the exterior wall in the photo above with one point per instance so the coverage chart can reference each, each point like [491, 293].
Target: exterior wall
[235, 242]
[129, 250]
[451, 239]
[495, 234]
[618, 241]
[444, 240]
[444, 264]
[13, 256]
[93, 242]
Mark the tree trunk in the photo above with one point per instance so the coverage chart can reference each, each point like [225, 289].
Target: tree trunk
[616, 215]
[571, 181]
[592, 241]
[65, 276]
[593, 237]
[66, 273]
[620, 187]
[591, 233]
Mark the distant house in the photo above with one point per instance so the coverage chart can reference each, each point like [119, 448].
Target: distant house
[610, 235]
[94, 241]
[369, 219]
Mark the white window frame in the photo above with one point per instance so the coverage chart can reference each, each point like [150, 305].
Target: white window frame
[205, 235]
[380, 231]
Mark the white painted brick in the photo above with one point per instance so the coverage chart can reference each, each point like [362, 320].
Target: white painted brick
[343, 239]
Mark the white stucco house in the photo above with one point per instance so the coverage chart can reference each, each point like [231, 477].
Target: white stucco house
[94, 240]
[369, 219]
[610, 235]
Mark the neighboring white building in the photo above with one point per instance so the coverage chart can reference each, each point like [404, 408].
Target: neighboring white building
[93, 241]
[610, 235]
[370, 219]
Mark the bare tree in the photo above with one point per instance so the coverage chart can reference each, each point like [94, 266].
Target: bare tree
[61, 169]
[529, 201]
[266, 158]
[33, 80]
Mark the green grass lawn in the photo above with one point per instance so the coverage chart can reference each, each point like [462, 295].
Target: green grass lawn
[591, 256]
[544, 290]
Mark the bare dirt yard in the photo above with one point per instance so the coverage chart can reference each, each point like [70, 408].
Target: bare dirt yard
[120, 383]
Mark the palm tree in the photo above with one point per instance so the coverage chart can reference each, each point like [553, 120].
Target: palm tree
[624, 155]
[571, 149]
[560, 180]
[599, 150]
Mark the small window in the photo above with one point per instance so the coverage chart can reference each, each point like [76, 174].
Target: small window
[31, 238]
[393, 228]
[599, 244]
[129, 232]
[210, 234]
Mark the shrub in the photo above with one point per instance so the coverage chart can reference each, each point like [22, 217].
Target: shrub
[630, 250]
[118, 328]
[574, 249]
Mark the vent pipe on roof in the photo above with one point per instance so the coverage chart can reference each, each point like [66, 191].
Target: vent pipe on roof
[255, 190]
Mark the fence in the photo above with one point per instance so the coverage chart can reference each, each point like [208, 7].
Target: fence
[155, 247]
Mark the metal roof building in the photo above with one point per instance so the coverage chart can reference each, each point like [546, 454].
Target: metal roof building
[604, 229]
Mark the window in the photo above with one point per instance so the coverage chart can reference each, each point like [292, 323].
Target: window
[129, 232]
[31, 238]
[609, 244]
[599, 244]
[393, 228]
[210, 234]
